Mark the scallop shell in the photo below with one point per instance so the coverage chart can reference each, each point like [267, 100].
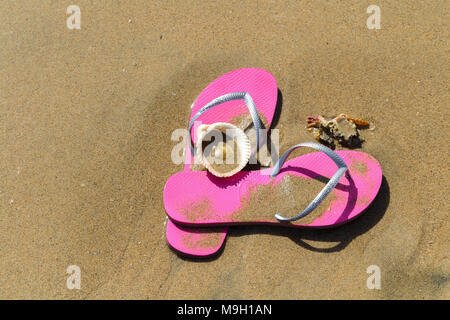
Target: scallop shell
[222, 158]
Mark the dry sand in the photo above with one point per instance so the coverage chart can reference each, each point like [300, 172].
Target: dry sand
[86, 118]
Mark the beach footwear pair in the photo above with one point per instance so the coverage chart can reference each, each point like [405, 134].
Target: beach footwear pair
[316, 190]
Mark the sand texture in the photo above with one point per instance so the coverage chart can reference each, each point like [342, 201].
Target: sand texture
[86, 118]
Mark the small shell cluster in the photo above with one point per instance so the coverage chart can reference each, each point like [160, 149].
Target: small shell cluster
[342, 128]
[223, 148]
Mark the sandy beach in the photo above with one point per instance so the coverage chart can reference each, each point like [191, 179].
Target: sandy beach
[86, 117]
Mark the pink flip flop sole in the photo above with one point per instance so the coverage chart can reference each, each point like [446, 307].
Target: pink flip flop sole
[262, 86]
[199, 242]
[199, 198]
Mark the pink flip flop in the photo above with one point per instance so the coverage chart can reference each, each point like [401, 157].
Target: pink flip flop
[262, 88]
[199, 198]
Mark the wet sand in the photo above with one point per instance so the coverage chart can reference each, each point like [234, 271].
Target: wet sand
[86, 118]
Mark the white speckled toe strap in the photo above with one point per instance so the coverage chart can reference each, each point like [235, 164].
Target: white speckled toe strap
[342, 168]
[228, 97]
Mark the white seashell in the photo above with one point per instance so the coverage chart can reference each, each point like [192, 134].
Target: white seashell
[222, 157]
